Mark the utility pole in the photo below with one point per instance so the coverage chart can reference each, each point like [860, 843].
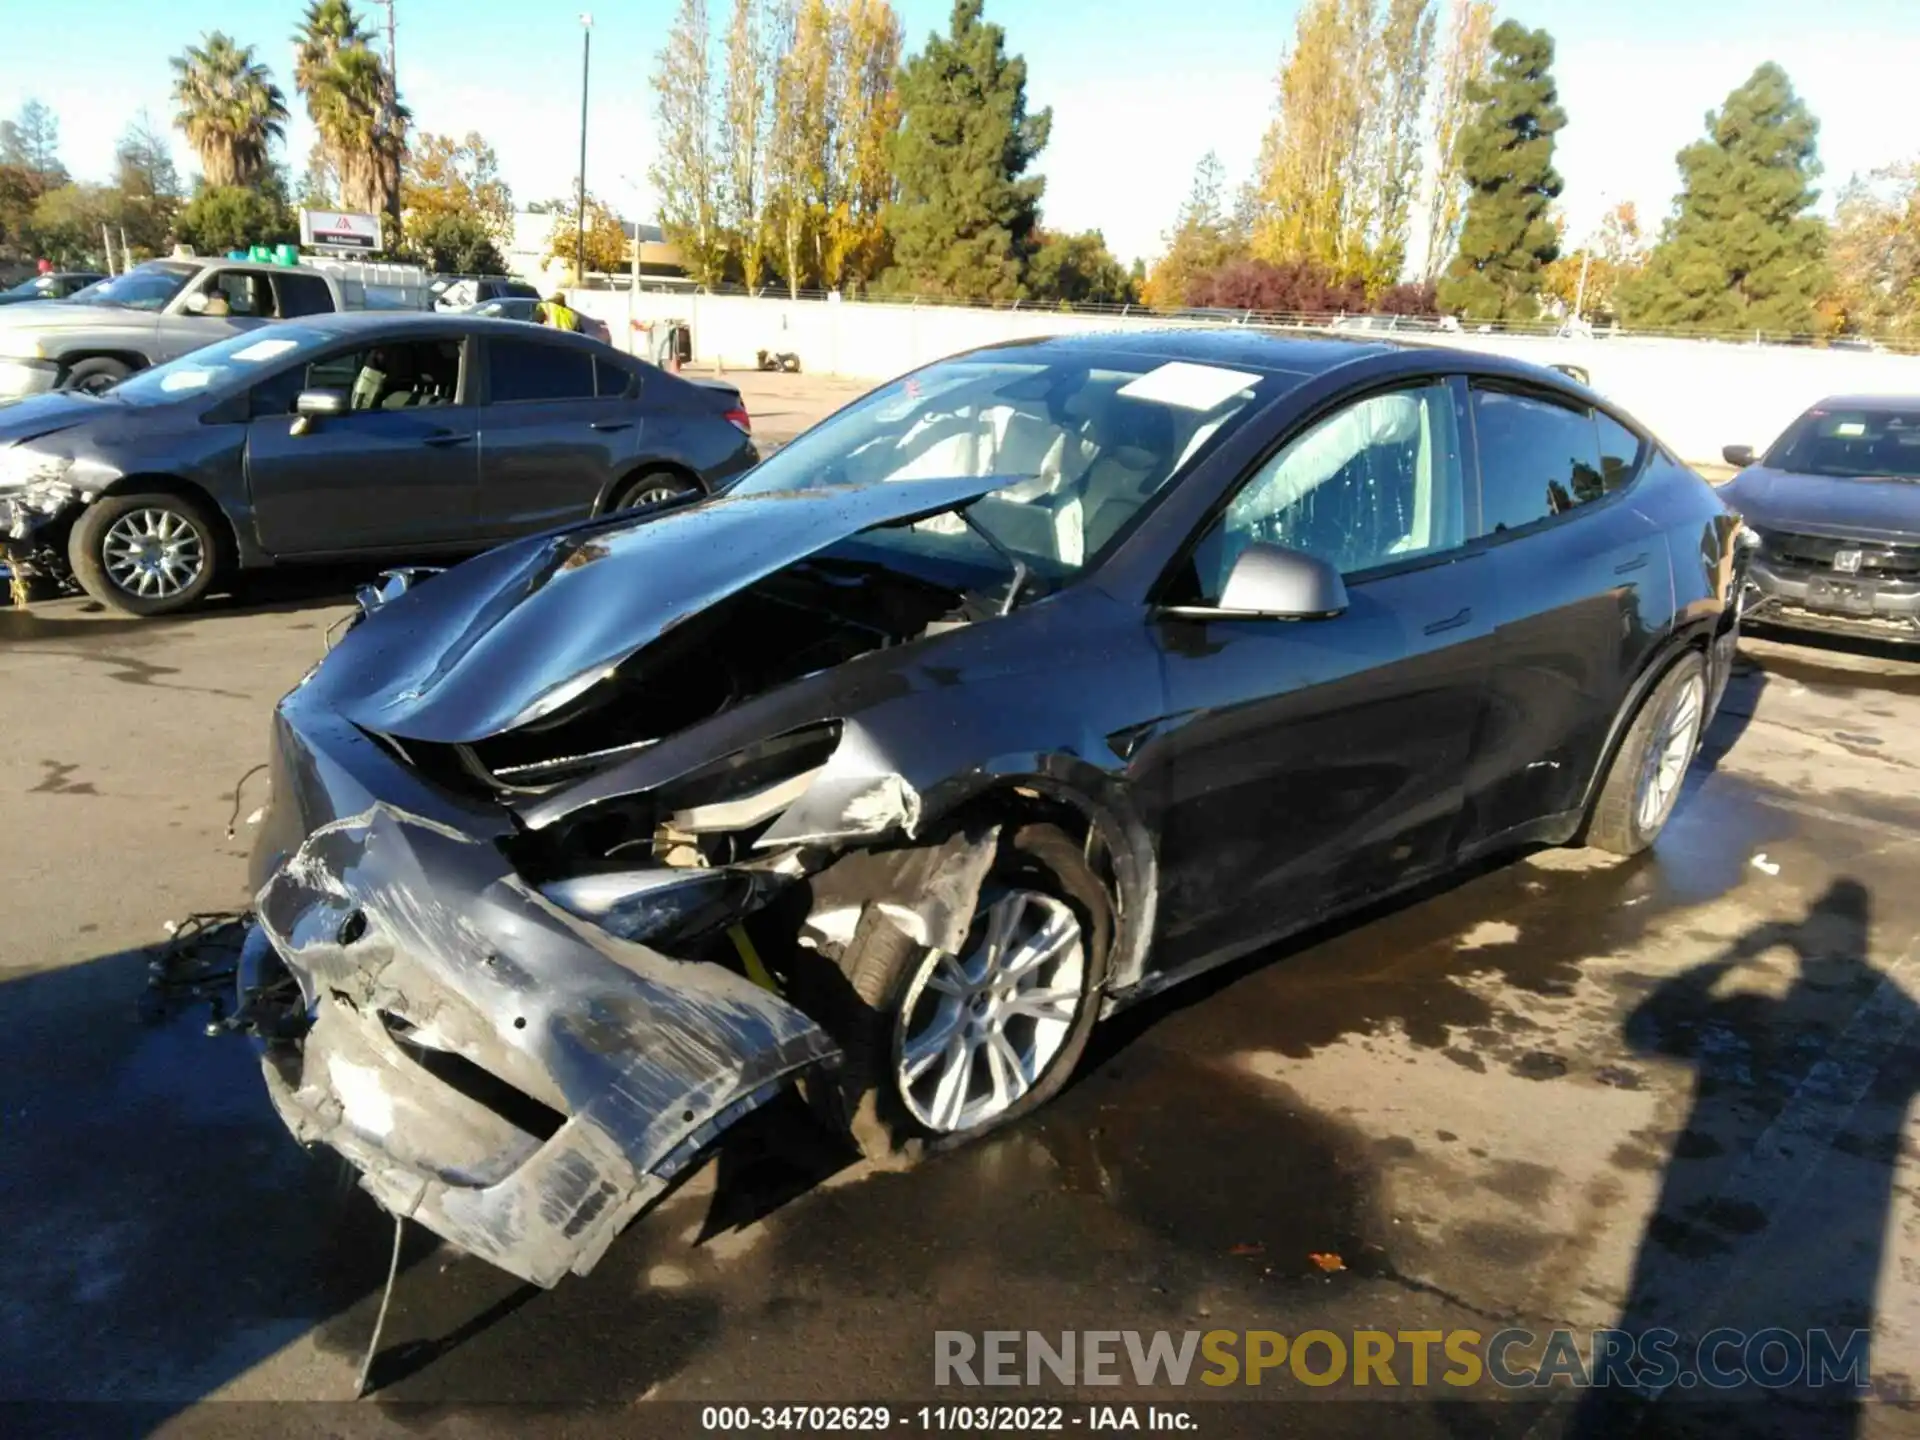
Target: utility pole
[390, 113]
[580, 201]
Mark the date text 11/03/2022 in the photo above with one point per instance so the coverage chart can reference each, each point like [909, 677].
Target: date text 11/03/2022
[978, 1419]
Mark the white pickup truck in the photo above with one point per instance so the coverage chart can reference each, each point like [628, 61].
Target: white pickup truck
[165, 308]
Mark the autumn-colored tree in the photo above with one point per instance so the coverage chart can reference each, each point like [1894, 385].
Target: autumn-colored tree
[1585, 280]
[867, 113]
[1874, 254]
[447, 177]
[741, 153]
[687, 173]
[1284, 287]
[1340, 165]
[1463, 64]
[1204, 238]
[605, 237]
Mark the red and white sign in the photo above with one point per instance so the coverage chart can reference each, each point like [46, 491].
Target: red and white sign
[339, 230]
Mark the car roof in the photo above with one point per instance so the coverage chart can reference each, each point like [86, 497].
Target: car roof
[1303, 355]
[1896, 404]
[353, 322]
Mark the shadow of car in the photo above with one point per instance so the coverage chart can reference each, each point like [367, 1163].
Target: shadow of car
[350, 436]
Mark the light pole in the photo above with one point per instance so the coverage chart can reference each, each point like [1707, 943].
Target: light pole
[580, 203]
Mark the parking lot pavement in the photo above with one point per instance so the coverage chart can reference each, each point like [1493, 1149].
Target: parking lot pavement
[1555, 1092]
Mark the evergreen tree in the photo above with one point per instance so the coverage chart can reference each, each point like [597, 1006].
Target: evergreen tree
[1741, 251]
[1506, 158]
[1203, 240]
[964, 218]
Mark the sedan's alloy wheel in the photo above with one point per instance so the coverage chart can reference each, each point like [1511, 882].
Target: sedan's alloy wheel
[651, 494]
[1667, 758]
[979, 1030]
[153, 553]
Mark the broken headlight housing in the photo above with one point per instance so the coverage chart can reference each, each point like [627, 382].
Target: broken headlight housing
[655, 904]
[37, 478]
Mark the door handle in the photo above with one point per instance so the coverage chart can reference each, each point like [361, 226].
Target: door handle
[611, 425]
[443, 438]
[1627, 567]
[1452, 622]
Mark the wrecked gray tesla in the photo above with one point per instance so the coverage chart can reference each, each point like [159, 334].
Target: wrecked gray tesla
[1024, 686]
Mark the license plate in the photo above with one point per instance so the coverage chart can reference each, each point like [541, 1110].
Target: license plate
[1848, 597]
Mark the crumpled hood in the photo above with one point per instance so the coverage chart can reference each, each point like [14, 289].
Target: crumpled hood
[467, 654]
[1826, 505]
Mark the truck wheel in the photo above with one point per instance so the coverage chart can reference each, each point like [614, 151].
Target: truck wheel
[93, 376]
[144, 554]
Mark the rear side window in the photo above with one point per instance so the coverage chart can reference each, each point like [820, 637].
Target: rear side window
[615, 382]
[1622, 452]
[520, 370]
[302, 295]
[1537, 459]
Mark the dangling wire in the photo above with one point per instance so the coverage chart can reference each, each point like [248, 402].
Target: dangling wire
[380, 1320]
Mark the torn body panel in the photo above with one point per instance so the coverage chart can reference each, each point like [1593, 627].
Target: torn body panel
[519, 1081]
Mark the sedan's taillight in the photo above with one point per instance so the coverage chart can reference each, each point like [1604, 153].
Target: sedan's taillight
[740, 420]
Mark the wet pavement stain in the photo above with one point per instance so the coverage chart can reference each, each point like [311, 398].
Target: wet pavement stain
[55, 781]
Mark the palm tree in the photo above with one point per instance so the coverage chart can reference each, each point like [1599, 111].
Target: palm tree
[350, 95]
[230, 109]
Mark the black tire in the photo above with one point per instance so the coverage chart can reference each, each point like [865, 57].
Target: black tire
[862, 1011]
[93, 376]
[95, 530]
[1618, 822]
[651, 488]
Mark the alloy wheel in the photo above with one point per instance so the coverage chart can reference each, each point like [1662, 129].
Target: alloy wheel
[1669, 755]
[979, 1030]
[152, 553]
[651, 495]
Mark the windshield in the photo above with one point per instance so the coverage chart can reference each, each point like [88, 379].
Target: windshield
[1851, 444]
[145, 287]
[245, 357]
[1084, 443]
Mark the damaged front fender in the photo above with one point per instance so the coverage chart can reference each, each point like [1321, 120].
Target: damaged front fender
[515, 1079]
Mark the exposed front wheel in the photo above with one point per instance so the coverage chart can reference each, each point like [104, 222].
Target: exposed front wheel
[144, 554]
[1644, 781]
[941, 1048]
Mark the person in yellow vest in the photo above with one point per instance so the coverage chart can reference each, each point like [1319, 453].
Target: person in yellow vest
[553, 311]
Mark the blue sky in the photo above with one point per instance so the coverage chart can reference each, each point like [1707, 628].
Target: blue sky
[1140, 89]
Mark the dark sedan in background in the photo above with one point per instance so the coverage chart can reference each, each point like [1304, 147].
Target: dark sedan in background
[57, 286]
[1835, 505]
[348, 435]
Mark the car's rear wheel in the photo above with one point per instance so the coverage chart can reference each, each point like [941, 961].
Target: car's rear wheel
[651, 489]
[93, 376]
[144, 554]
[1649, 768]
[943, 1048]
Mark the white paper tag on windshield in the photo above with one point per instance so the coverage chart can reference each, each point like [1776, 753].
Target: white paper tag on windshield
[1191, 387]
[263, 350]
[186, 380]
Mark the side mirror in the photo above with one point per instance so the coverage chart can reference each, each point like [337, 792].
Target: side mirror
[315, 405]
[1271, 582]
[1738, 456]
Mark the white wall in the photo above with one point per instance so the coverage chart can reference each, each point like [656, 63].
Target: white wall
[1695, 395]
